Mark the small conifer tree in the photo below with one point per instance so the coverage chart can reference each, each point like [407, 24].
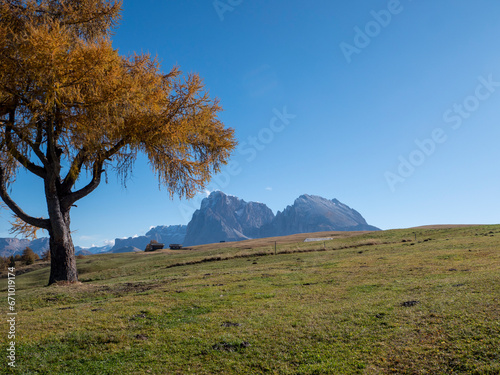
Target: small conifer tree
[29, 256]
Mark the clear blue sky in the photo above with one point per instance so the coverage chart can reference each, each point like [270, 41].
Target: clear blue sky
[357, 85]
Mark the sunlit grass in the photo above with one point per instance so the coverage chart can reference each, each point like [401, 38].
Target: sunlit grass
[314, 308]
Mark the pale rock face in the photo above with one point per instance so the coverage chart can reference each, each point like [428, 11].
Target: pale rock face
[126, 249]
[223, 217]
[168, 234]
[139, 242]
[227, 218]
[310, 213]
[14, 246]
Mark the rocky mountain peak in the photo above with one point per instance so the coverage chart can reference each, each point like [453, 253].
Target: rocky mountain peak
[223, 217]
[312, 213]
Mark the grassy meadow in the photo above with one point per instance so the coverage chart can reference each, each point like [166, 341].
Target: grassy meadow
[361, 303]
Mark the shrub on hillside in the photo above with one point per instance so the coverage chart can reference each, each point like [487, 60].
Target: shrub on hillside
[29, 256]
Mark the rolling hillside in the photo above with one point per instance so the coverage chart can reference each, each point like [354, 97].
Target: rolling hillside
[362, 303]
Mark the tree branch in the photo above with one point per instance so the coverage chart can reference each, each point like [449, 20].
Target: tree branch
[74, 171]
[52, 157]
[34, 146]
[113, 150]
[37, 222]
[16, 94]
[11, 148]
[71, 198]
[39, 133]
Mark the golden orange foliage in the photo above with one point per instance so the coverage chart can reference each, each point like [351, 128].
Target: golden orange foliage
[24, 229]
[69, 102]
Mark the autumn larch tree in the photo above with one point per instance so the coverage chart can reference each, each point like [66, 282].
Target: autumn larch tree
[72, 107]
[29, 256]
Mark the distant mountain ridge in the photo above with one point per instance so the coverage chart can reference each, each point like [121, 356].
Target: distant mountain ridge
[163, 233]
[223, 217]
[166, 234]
[14, 246]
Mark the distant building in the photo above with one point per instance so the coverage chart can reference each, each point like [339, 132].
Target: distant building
[157, 246]
[175, 246]
[153, 246]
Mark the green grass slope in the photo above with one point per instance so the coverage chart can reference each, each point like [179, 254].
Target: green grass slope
[362, 303]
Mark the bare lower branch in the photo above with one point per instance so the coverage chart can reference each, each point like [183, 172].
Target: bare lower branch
[37, 222]
[68, 201]
[71, 198]
[12, 149]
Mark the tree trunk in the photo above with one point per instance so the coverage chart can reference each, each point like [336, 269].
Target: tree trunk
[62, 250]
[62, 254]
